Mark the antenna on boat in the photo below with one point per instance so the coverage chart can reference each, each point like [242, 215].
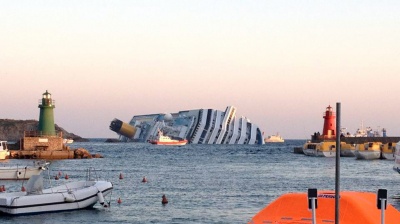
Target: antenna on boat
[337, 170]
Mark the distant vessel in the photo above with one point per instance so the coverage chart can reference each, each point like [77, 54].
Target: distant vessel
[166, 140]
[202, 126]
[4, 153]
[274, 138]
[68, 140]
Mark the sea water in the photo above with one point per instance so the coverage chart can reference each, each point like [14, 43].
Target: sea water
[203, 183]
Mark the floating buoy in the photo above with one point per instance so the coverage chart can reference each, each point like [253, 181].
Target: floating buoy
[121, 176]
[56, 177]
[66, 176]
[164, 200]
[119, 201]
[144, 180]
[23, 189]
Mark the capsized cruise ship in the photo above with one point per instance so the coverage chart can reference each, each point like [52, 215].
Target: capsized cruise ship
[201, 126]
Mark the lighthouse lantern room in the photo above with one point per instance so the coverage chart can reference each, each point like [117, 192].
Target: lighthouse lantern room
[46, 125]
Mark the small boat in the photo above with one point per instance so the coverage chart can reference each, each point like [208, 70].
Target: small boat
[274, 138]
[66, 197]
[368, 150]
[166, 140]
[347, 149]
[22, 172]
[321, 149]
[388, 150]
[68, 140]
[4, 153]
[358, 207]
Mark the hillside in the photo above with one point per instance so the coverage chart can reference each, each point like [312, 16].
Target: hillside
[13, 130]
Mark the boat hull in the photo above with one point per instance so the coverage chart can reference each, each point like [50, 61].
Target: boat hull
[180, 143]
[322, 149]
[19, 173]
[367, 155]
[71, 196]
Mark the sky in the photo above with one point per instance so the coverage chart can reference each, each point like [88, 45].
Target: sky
[280, 63]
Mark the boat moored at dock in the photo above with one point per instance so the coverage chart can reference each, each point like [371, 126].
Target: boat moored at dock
[321, 149]
[368, 150]
[4, 153]
[388, 150]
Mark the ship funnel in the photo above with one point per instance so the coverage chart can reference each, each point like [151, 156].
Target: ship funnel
[122, 128]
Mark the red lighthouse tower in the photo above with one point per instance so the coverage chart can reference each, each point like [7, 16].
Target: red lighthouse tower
[329, 130]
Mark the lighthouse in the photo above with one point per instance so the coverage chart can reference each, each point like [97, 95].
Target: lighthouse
[46, 117]
[329, 130]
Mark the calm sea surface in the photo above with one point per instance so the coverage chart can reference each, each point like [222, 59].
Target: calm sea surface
[203, 183]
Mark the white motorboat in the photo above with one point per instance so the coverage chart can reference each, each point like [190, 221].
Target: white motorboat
[18, 172]
[4, 153]
[368, 151]
[69, 196]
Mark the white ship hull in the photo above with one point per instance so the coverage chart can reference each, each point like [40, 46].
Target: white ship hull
[368, 155]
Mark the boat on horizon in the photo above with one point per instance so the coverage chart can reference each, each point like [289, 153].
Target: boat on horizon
[274, 138]
[162, 139]
[4, 153]
[66, 197]
[17, 172]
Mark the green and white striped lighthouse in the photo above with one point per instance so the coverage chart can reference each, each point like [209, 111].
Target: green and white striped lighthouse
[46, 118]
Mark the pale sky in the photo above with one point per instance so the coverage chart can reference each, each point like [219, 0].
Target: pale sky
[280, 63]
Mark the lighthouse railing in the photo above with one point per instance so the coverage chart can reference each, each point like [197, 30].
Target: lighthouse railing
[41, 134]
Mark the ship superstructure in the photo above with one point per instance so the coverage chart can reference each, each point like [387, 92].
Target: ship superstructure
[201, 126]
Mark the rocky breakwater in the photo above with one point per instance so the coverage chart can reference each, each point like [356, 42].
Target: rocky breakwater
[31, 145]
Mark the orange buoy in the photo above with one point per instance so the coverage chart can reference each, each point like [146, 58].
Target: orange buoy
[23, 189]
[164, 200]
[144, 180]
[119, 201]
[66, 176]
[121, 176]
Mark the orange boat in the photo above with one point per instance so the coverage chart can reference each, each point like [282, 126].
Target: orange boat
[166, 140]
[355, 207]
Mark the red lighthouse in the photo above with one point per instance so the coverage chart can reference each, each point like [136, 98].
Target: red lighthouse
[329, 130]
